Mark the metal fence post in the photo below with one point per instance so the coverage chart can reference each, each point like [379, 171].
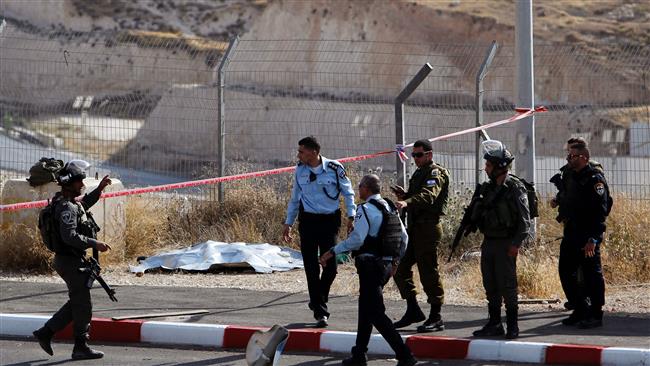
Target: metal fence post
[399, 117]
[525, 130]
[221, 126]
[525, 136]
[479, 105]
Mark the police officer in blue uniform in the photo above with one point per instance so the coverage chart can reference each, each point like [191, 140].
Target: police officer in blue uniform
[319, 182]
[587, 206]
[375, 269]
[72, 242]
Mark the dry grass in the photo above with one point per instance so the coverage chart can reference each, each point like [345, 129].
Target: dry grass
[22, 249]
[253, 212]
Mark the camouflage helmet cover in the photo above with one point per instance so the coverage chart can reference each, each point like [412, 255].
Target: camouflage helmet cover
[496, 153]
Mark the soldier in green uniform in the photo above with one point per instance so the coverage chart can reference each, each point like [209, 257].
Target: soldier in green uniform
[73, 239]
[425, 201]
[502, 215]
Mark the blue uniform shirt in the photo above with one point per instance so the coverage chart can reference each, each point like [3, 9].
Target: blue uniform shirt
[318, 191]
[362, 229]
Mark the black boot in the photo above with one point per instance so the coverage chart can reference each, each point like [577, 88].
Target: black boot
[493, 327]
[511, 322]
[81, 351]
[434, 322]
[44, 337]
[594, 320]
[357, 359]
[413, 314]
[409, 361]
[576, 317]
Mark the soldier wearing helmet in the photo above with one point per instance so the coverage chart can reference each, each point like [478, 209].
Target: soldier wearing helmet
[502, 215]
[73, 239]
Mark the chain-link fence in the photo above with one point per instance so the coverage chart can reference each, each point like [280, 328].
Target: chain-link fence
[145, 105]
[343, 92]
[138, 104]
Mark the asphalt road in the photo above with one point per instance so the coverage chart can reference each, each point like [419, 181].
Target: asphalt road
[19, 352]
[266, 308]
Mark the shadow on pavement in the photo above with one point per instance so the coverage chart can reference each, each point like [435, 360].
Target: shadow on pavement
[33, 295]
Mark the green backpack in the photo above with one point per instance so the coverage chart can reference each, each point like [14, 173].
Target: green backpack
[44, 171]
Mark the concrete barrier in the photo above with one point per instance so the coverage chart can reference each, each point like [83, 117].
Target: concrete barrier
[109, 214]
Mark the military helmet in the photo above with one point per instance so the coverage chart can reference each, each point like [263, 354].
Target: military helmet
[496, 153]
[72, 171]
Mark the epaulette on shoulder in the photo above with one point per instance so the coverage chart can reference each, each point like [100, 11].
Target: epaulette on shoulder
[598, 176]
[515, 181]
[334, 165]
[596, 166]
[66, 203]
[438, 166]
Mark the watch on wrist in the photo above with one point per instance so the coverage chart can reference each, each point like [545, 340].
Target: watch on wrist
[594, 241]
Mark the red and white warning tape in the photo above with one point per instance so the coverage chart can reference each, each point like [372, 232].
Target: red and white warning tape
[521, 114]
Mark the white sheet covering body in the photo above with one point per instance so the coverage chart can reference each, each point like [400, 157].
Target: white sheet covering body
[264, 258]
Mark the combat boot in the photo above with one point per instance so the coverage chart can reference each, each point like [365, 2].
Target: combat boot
[411, 361]
[434, 322]
[413, 314]
[511, 322]
[576, 317]
[81, 351]
[493, 327]
[594, 320]
[44, 336]
[357, 358]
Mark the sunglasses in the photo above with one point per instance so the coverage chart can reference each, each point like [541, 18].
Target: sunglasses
[419, 154]
[571, 156]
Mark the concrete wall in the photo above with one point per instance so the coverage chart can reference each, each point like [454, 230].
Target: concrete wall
[34, 69]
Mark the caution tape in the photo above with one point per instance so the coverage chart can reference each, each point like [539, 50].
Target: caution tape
[521, 113]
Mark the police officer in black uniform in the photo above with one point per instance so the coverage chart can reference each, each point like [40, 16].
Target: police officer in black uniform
[587, 205]
[375, 265]
[74, 237]
[567, 265]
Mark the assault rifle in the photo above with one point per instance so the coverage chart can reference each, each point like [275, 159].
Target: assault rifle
[93, 270]
[466, 224]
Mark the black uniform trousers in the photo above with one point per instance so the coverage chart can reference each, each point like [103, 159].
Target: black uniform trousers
[78, 309]
[499, 272]
[581, 277]
[318, 233]
[374, 273]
